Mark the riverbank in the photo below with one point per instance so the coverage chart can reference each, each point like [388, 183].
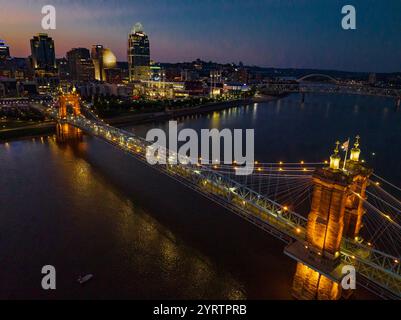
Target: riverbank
[47, 128]
[35, 130]
[171, 114]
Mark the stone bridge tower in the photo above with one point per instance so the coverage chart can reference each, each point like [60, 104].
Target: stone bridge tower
[69, 103]
[69, 100]
[336, 212]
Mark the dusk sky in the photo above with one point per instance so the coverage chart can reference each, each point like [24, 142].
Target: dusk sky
[270, 33]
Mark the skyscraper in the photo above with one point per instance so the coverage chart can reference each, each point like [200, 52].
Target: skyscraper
[4, 51]
[43, 56]
[80, 65]
[138, 54]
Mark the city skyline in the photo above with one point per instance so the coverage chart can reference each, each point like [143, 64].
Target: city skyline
[290, 35]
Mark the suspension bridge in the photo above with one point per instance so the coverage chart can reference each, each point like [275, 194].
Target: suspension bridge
[328, 214]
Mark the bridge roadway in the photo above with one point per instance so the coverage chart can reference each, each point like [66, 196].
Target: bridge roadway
[377, 271]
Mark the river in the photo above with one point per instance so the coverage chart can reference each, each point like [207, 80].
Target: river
[89, 208]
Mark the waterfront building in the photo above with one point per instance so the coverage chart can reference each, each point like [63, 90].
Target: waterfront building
[170, 89]
[235, 88]
[160, 90]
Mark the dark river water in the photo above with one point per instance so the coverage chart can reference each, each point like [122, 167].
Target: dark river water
[89, 208]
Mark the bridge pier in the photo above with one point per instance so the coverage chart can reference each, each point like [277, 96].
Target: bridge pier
[66, 132]
[303, 97]
[336, 212]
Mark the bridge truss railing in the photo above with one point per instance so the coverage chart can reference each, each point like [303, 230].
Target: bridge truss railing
[376, 267]
[380, 268]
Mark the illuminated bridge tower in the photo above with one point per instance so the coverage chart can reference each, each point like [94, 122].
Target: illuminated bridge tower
[69, 101]
[69, 104]
[336, 212]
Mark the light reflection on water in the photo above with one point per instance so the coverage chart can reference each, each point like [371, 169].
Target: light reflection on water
[74, 218]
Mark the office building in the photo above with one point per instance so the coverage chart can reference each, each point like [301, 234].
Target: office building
[138, 54]
[43, 58]
[80, 65]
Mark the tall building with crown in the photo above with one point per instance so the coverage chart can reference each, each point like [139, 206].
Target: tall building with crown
[138, 54]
